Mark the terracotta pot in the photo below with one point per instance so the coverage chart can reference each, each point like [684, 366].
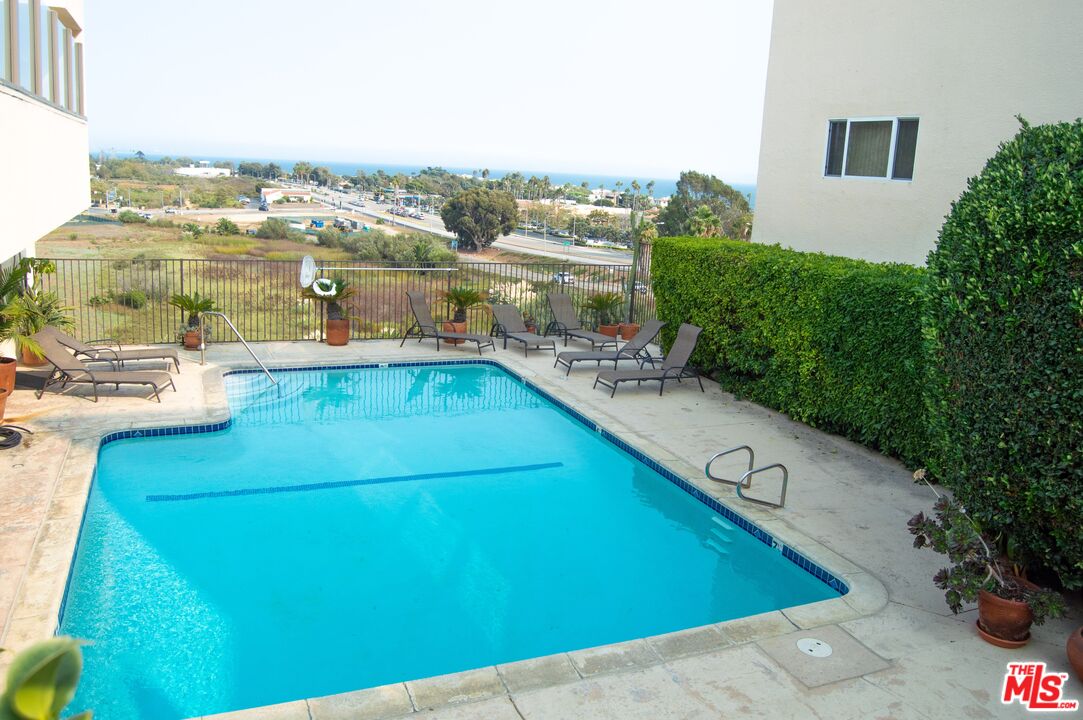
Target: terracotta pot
[3, 401]
[31, 358]
[457, 327]
[1001, 619]
[629, 330]
[610, 330]
[532, 328]
[1075, 652]
[7, 373]
[191, 339]
[338, 332]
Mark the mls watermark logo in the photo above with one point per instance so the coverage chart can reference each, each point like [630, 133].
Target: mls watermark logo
[1035, 689]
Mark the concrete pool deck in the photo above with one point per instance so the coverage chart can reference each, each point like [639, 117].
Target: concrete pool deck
[899, 652]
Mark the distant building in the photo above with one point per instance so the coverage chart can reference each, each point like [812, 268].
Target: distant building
[204, 169]
[603, 194]
[269, 195]
[876, 115]
[44, 147]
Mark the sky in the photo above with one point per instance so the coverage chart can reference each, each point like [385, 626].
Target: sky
[593, 86]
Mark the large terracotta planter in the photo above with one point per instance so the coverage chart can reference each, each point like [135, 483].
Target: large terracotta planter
[1006, 621]
[455, 327]
[629, 330]
[1075, 652]
[7, 374]
[31, 358]
[338, 332]
[4, 393]
[191, 339]
[610, 330]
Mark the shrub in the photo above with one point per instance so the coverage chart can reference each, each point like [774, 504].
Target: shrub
[127, 216]
[830, 341]
[135, 299]
[225, 226]
[273, 229]
[1004, 320]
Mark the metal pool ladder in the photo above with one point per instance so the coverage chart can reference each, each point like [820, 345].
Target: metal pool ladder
[745, 481]
[203, 344]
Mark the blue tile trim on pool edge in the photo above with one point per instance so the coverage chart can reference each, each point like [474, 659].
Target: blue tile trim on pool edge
[749, 527]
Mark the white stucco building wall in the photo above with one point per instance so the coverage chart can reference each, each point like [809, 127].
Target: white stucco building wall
[964, 69]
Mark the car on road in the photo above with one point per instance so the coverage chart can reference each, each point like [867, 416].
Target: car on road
[264, 207]
[171, 211]
[146, 215]
[641, 287]
[564, 278]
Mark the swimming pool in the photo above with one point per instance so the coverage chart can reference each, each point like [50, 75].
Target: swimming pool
[376, 524]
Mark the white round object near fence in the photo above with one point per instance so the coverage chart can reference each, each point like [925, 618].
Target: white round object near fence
[308, 270]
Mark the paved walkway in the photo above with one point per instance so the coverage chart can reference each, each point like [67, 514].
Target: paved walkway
[908, 656]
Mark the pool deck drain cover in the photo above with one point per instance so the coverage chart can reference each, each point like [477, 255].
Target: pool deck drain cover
[814, 647]
[831, 655]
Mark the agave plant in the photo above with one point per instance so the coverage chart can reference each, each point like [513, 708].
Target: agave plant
[462, 299]
[193, 306]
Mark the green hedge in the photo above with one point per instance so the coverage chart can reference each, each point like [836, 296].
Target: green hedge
[1005, 322]
[832, 342]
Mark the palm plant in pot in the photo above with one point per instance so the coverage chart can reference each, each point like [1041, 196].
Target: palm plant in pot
[32, 312]
[606, 308]
[1007, 603]
[13, 283]
[193, 306]
[460, 299]
[332, 292]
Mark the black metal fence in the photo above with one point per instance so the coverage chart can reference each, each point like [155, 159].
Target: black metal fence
[128, 300]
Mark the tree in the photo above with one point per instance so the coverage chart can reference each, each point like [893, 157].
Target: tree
[650, 189]
[704, 223]
[479, 216]
[225, 226]
[695, 189]
[485, 174]
[140, 156]
[272, 170]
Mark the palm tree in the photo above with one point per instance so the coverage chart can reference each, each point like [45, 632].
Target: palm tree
[650, 189]
[704, 223]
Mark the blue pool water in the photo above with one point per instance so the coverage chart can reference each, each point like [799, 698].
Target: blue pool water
[377, 525]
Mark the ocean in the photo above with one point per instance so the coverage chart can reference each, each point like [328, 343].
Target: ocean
[663, 187]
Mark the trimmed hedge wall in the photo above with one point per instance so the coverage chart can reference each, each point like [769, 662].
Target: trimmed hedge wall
[832, 342]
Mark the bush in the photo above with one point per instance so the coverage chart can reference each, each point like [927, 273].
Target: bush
[273, 229]
[830, 341]
[1004, 320]
[127, 216]
[225, 226]
[135, 299]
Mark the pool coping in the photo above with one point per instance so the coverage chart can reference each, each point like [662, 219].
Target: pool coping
[864, 594]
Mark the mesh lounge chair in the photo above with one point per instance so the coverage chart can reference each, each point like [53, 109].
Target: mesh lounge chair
[69, 369]
[566, 323]
[674, 367]
[634, 349]
[425, 326]
[109, 355]
[509, 323]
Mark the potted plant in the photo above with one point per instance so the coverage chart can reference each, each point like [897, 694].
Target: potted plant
[193, 306]
[1075, 652]
[12, 286]
[332, 292]
[531, 323]
[31, 312]
[461, 299]
[606, 308]
[1007, 603]
[628, 330]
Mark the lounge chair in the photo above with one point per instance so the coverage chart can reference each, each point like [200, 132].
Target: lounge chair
[425, 326]
[69, 369]
[634, 349]
[509, 324]
[566, 322]
[114, 357]
[674, 367]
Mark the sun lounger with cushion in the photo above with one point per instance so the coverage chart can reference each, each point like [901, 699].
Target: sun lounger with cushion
[425, 327]
[634, 349]
[69, 369]
[674, 367]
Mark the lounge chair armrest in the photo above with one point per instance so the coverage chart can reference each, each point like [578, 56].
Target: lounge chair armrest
[105, 341]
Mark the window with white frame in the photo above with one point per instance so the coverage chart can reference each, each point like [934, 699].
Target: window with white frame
[872, 148]
[39, 53]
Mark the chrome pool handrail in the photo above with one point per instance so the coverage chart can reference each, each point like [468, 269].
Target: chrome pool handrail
[203, 343]
[751, 463]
